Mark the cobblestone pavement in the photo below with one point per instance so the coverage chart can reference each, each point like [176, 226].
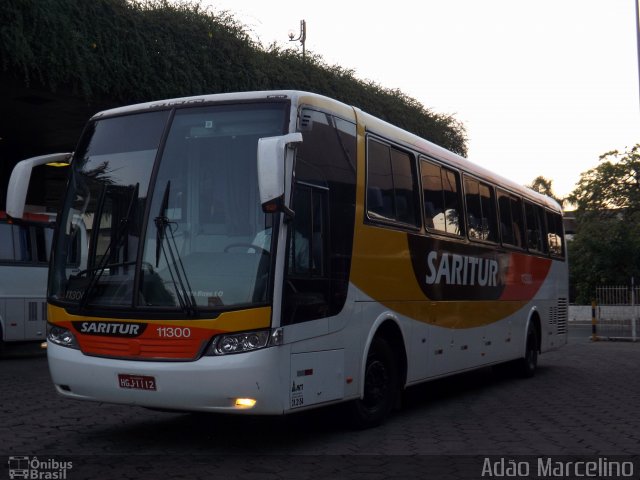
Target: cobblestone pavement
[583, 401]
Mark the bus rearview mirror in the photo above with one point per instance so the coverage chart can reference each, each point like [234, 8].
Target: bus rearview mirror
[272, 155]
[21, 178]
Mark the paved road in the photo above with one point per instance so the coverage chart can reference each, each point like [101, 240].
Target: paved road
[583, 401]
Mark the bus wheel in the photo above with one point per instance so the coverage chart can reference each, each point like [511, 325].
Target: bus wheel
[529, 363]
[380, 387]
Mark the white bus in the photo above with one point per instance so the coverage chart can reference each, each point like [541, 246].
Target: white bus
[24, 258]
[270, 252]
[25, 247]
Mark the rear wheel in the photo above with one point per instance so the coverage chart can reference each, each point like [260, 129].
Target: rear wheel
[528, 364]
[380, 387]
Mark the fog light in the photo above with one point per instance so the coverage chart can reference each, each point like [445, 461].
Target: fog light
[245, 402]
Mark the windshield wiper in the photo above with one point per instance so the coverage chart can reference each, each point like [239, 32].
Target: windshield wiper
[166, 245]
[114, 244]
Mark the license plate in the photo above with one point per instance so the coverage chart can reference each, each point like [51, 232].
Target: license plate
[138, 382]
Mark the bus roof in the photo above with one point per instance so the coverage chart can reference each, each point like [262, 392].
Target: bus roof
[371, 123]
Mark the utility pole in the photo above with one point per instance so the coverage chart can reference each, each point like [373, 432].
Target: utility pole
[638, 41]
[302, 37]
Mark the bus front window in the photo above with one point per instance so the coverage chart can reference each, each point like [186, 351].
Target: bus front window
[178, 225]
[208, 242]
[104, 207]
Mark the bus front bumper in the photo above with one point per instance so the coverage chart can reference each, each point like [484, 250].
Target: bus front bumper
[216, 384]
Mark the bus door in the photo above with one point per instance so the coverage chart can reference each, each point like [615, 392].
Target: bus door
[316, 375]
[307, 281]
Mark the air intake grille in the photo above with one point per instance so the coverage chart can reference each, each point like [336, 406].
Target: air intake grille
[33, 312]
[558, 316]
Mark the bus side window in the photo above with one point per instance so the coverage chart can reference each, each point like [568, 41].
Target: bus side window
[23, 241]
[25, 244]
[42, 250]
[510, 208]
[536, 240]
[6, 242]
[518, 221]
[404, 185]
[392, 187]
[481, 211]
[380, 198]
[442, 202]
[452, 202]
[555, 235]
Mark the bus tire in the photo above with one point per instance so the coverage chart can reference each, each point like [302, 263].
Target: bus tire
[380, 387]
[528, 364]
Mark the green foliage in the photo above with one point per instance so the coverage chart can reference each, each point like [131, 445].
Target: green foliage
[544, 186]
[606, 245]
[120, 51]
[604, 251]
[612, 187]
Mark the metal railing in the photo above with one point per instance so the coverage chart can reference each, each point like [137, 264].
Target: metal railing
[617, 295]
[617, 312]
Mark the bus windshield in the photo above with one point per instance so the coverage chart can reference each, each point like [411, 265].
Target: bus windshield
[170, 205]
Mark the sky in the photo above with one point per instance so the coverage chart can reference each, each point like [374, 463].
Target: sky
[542, 87]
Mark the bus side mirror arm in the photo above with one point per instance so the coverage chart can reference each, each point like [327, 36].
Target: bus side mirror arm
[272, 160]
[288, 213]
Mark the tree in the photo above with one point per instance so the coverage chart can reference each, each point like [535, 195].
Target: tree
[603, 251]
[613, 187]
[606, 245]
[114, 52]
[544, 186]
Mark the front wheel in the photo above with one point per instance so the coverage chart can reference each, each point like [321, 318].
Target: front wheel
[380, 387]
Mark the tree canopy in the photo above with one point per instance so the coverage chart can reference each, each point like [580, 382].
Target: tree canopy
[611, 188]
[125, 51]
[606, 246]
[544, 186]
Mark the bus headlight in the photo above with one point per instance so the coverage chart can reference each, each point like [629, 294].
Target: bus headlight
[61, 336]
[239, 342]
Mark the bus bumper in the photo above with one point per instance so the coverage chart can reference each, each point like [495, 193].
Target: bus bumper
[209, 384]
